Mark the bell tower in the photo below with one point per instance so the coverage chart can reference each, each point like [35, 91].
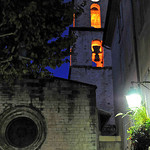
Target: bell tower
[91, 62]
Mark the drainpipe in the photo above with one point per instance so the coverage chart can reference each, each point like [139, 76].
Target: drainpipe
[135, 43]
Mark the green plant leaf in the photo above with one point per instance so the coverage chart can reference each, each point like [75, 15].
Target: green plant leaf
[119, 114]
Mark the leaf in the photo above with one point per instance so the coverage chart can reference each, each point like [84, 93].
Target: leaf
[119, 114]
[128, 113]
[25, 71]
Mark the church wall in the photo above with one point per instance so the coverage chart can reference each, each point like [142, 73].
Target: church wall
[67, 108]
[102, 78]
[84, 65]
[91, 62]
[84, 19]
[107, 57]
[82, 53]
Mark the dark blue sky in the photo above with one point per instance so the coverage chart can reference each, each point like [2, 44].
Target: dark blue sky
[63, 70]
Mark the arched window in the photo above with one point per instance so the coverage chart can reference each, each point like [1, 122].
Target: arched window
[95, 16]
[97, 53]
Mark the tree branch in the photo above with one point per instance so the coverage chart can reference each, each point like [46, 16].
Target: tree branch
[7, 34]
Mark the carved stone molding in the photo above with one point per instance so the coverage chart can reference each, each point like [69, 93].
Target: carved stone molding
[26, 125]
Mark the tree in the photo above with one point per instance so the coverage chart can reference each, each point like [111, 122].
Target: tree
[26, 26]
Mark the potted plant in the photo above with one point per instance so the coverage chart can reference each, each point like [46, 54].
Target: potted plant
[139, 132]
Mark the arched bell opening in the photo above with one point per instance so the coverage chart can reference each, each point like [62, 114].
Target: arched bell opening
[97, 53]
[95, 16]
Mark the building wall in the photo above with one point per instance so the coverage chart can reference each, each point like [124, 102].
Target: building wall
[110, 142]
[123, 64]
[64, 112]
[132, 33]
[143, 36]
[82, 68]
[102, 78]
[82, 52]
[85, 19]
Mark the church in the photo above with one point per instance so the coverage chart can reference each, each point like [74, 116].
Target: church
[60, 114]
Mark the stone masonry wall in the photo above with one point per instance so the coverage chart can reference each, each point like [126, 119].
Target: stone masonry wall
[82, 53]
[132, 34]
[84, 19]
[68, 109]
[102, 78]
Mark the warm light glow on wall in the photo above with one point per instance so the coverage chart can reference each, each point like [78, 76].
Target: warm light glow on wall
[95, 16]
[74, 20]
[70, 56]
[100, 61]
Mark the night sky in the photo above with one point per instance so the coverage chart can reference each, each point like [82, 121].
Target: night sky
[62, 71]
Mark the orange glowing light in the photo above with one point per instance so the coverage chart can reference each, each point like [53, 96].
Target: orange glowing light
[74, 20]
[70, 56]
[95, 16]
[100, 61]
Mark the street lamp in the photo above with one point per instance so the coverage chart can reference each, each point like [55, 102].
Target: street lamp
[94, 0]
[133, 96]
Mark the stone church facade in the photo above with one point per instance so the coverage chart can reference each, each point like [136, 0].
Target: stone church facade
[60, 114]
[45, 114]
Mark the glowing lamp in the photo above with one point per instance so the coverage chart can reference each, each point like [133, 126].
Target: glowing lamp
[133, 98]
[94, 0]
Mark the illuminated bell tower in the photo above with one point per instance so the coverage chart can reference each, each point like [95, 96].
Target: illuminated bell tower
[91, 62]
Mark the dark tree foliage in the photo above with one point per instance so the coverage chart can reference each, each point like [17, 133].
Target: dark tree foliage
[25, 28]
